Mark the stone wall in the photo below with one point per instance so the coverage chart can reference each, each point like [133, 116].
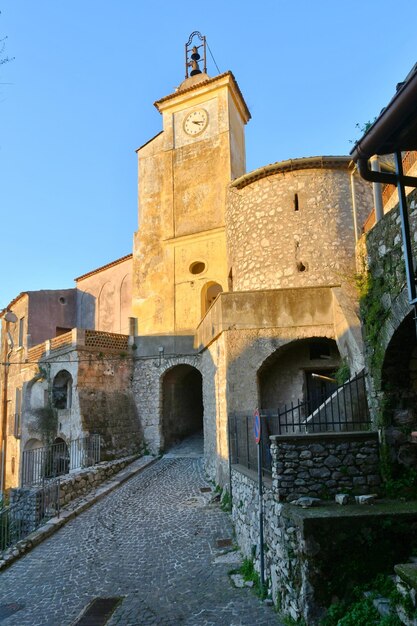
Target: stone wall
[313, 556]
[147, 380]
[275, 240]
[216, 448]
[323, 464]
[384, 303]
[71, 486]
[107, 403]
[83, 481]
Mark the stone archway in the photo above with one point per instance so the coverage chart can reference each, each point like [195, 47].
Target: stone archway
[182, 404]
[32, 462]
[62, 390]
[286, 376]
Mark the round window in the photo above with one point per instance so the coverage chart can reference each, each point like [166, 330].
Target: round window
[62, 300]
[198, 267]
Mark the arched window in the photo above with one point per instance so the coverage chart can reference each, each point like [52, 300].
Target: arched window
[62, 390]
[209, 293]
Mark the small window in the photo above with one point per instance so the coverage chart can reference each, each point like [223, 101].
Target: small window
[296, 202]
[209, 293]
[18, 414]
[61, 330]
[62, 390]
[197, 268]
[21, 331]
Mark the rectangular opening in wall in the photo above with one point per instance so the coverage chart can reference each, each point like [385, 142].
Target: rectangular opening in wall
[230, 280]
[21, 330]
[296, 202]
[17, 413]
[60, 330]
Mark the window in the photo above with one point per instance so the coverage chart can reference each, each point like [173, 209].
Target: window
[197, 268]
[209, 293]
[18, 414]
[21, 331]
[62, 390]
[296, 206]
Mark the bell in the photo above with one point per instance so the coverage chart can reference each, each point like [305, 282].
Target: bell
[195, 56]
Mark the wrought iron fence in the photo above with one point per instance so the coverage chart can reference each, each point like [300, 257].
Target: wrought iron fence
[344, 410]
[32, 509]
[58, 459]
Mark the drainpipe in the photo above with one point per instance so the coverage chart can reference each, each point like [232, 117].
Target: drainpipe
[353, 192]
[379, 210]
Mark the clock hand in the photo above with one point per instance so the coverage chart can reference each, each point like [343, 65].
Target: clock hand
[194, 122]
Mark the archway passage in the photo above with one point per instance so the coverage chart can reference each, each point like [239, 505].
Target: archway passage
[298, 372]
[182, 404]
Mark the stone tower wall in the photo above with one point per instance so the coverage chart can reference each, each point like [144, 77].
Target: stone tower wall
[274, 243]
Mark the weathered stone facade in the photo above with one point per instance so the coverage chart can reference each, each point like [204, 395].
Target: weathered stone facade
[147, 380]
[312, 555]
[386, 315]
[292, 224]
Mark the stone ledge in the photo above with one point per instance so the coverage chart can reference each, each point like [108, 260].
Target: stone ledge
[408, 573]
[352, 435]
[392, 508]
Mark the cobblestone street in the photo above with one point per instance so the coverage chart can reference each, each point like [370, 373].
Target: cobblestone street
[151, 542]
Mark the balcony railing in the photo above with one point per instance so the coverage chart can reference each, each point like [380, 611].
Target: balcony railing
[58, 459]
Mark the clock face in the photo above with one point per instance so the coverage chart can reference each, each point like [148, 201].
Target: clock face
[196, 122]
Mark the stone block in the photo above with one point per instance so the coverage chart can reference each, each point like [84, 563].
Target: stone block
[366, 499]
[342, 498]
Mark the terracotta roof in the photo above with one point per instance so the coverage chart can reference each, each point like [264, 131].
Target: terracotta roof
[202, 84]
[9, 306]
[325, 162]
[104, 267]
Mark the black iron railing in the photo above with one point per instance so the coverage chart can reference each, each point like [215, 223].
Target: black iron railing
[345, 410]
[58, 459]
[32, 509]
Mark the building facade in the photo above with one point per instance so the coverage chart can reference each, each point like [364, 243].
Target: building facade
[239, 289]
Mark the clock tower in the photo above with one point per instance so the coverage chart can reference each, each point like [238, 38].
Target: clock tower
[180, 247]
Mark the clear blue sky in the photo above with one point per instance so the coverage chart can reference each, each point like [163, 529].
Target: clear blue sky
[78, 100]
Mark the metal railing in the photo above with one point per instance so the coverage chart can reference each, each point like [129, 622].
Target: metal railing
[30, 511]
[58, 459]
[345, 410]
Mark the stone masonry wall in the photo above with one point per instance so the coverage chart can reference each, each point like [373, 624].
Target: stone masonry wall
[71, 486]
[324, 464]
[384, 302]
[312, 555]
[82, 482]
[107, 404]
[272, 245]
[147, 380]
[282, 538]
